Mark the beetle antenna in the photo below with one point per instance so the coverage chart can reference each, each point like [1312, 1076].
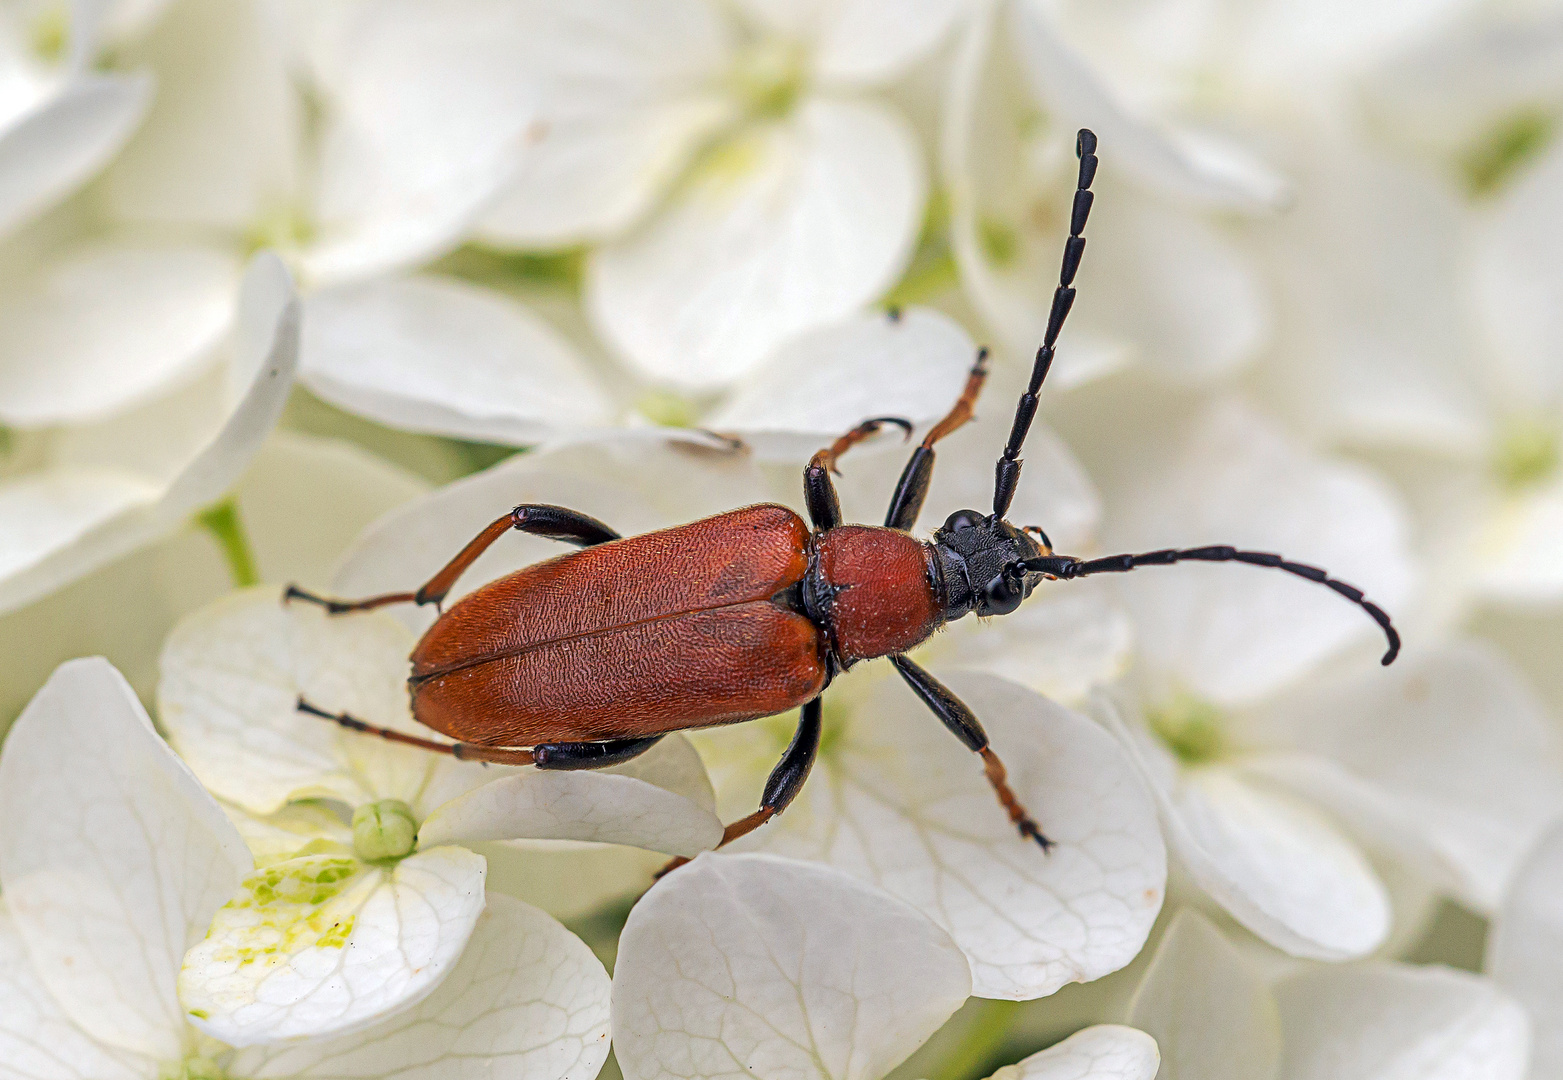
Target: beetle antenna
[1066, 567]
[1007, 473]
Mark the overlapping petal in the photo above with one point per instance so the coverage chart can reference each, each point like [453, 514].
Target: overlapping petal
[325, 945]
[863, 41]
[1101, 1052]
[748, 964]
[113, 857]
[1524, 947]
[785, 227]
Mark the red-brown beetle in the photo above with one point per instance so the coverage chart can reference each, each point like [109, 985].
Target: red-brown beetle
[588, 659]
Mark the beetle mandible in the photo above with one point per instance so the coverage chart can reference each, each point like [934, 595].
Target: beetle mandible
[587, 659]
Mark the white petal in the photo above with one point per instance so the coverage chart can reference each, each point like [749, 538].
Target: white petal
[568, 879]
[301, 828]
[221, 144]
[1101, 1052]
[261, 373]
[1524, 947]
[526, 1001]
[1062, 642]
[1456, 739]
[1398, 1022]
[1064, 82]
[787, 227]
[1277, 865]
[628, 92]
[324, 945]
[46, 512]
[1523, 555]
[63, 143]
[232, 677]
[106, 327]
[1232, 632]
[426, 119]
[1207, 1008]
[899, 802]
[861, 41]
[38, 1041]
[827, 381]
[1159, 285]
[576, 806]
[436, 355]
[112, 856]
[740, 965]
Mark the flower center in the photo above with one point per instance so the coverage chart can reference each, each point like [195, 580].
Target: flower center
[283, 228]
[51, 32]
[1190, 727]
[1528, 452]
[768, 76]
[1502, 152]
[193, 1068]
[384, 830]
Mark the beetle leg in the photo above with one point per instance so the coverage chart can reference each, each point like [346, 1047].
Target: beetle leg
[784, 783]
[590, 755]
[966, 727]
[912, 488]
[539, 519]
[819, 491]
[459, 751]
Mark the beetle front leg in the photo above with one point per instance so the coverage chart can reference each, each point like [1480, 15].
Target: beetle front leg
[966, 727]
[819, 491]
[910, 491]
[538, 519]
[784, 783]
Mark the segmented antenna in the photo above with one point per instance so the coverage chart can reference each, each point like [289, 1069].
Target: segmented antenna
[1065, 566]
[1007, 473]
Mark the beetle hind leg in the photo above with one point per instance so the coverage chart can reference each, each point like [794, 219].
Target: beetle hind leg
[459, 751]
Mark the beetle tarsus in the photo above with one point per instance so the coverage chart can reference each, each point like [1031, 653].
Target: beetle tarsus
[343, 607]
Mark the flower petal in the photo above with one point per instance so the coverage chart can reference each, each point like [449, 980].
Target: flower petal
[437, 355]
[1522, 563]
[789, 226]
[38, 1041]
[576, 806]
[260, 376]
[895, 803]
[628, 92]
[527, 1000]
[1456, 739]
[861, 41]
[1229, 632]
[1208, 1009]
[113, 858]
[324, 945]
[233, 674]
[1100, 1052]
[1398, 1022]
[62, 143]
[1525, 943]
[1274, 863]
[749, 964]
[827, 381]
[108, 326]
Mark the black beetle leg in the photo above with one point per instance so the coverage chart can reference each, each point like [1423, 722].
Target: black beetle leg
[591, 755]
[912, 488]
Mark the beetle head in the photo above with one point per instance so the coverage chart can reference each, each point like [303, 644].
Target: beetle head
[977, 555]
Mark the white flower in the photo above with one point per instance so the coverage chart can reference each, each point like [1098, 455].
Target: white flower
[1525, 947]
[741, 964]
[1216, 1018]
[114, 859]
[893, 798]
[336, 936]
[98, 490]
[1162, 285]
[61, 119]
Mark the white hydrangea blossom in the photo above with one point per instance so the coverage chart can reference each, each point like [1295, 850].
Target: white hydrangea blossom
[337, 934]
[114, 859]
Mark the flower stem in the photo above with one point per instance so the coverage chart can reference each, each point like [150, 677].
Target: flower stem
[222, 521]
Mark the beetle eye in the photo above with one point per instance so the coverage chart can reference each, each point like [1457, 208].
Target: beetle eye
[963, 519]
[1001, 596]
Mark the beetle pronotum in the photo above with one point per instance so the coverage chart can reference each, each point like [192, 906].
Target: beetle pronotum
[586, 660]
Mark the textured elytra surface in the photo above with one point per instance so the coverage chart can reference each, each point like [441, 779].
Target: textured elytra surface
[653, 633]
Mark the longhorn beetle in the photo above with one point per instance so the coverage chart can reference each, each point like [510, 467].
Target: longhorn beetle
[587, 659]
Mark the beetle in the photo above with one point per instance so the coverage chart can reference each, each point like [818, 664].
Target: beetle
[587, 659]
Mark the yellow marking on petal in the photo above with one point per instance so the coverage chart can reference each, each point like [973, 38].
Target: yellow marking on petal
[1528, 452]
[1191, 728]
[51, 33]
[288, 907]
[1494, 159]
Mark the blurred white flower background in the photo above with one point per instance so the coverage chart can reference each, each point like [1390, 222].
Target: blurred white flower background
[311, 291]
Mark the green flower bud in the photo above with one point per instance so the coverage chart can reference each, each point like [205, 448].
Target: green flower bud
[384, 830]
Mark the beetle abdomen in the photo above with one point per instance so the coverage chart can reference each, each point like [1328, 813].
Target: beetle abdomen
[651, 633]
[881, 581]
